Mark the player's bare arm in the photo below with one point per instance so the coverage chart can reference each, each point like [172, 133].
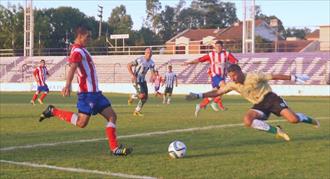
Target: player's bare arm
[130, 71]
[213, 93]
[295, 78]
[190, 62]
[67, 88]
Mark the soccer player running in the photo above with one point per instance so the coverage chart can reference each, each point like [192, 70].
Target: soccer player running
[40, 75]
[157, 80]
[141, 66]
[170, 77]
[90, 98]
[218, 59]
[254, 87]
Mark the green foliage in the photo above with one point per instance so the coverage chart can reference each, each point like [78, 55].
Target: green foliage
[295, 32]
[119, 21]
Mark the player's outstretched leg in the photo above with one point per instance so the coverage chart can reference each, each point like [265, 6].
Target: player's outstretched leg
[67, 116]
[306, 119]
[263, 126]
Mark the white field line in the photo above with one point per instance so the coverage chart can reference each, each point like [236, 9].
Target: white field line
[134, 135]
[77, 170]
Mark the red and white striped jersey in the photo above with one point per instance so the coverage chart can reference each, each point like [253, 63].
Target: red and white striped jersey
[41, 74]
[218, 62]
[87, 77]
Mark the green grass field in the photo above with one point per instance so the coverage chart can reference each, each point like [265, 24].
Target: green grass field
[221, 151]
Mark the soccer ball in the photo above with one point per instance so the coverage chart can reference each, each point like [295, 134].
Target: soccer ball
[177, 149]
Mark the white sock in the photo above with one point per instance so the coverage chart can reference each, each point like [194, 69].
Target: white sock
[111, 124]
[260, 125]
[302, 117]
[169, 99]
[138, 109]
[134, 96]
[74, 119]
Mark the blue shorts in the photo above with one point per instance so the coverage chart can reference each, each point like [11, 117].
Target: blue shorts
[216, 81]
[157, 88]
[92, 103]
[43, 88]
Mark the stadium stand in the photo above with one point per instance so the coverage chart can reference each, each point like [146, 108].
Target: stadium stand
[113, 69]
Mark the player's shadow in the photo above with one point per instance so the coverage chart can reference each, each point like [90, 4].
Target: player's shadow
[223, 153]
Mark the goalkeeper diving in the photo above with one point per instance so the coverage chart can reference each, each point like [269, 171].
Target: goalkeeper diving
[254, 87]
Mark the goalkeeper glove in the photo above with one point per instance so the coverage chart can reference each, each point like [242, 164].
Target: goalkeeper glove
[299, 79]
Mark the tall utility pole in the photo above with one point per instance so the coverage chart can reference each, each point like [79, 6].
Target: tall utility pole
[28, 29]
[100, 16]
[248, 36]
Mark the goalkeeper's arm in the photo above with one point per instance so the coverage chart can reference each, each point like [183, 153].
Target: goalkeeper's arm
[300, 79]
[213, 93]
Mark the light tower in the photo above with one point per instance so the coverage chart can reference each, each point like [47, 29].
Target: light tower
[100, 16]
[248, 37]
[28, 29]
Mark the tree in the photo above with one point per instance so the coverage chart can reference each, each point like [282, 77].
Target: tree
[119, 21]
[168, 24]
[153, 17]
[299, 33]
[267, 19]
[11, 27]
[215, 13]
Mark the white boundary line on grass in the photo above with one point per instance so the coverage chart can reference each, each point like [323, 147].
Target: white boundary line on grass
[133, 135]
[77, 170]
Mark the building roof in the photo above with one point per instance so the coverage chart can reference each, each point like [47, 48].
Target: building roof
[314, 35]
[292, 46]
[231, 33]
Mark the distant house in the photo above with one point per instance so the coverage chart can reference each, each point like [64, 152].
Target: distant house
[193, 41]
[315, 35]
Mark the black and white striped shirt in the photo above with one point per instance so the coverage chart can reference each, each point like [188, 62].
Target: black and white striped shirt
[141, 67]
[170, 78]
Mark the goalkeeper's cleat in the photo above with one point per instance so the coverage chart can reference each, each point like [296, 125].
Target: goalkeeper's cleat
[281, 134]
[316, 123]
[48, 112]
[214, 106]
[32, 102]
[122, 151]
[40, 101]
[197, 109]
[137, 113]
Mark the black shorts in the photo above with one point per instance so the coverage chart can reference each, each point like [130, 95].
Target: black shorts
[271, 104]
[168, 90]
[142, 88]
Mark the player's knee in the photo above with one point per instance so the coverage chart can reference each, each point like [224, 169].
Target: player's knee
[247, 121]
[293, 119]
[113, 118]
[141, 96]
[81, 123]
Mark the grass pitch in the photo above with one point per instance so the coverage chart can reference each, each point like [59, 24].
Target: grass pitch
[221, 151]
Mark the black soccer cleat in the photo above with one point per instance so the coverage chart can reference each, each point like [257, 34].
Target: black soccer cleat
[122, 151]
[48, 112]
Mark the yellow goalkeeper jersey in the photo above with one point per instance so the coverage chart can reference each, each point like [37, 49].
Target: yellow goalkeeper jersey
[255, 86]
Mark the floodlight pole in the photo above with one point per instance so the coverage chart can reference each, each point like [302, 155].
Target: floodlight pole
[28, 29]
[100, 23]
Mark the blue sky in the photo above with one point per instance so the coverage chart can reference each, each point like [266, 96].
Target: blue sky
[293, 13]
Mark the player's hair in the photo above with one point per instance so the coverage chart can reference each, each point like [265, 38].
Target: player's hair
[219, 42]
[81, 30]
[234, 68]
[42, 60]
[148, 48]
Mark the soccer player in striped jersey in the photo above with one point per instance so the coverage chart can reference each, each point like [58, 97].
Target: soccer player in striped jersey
[90, 99]
[170, 78]
[138, 76]
[218, 59]
[40, 76]
[157, 80]
[254, 87]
